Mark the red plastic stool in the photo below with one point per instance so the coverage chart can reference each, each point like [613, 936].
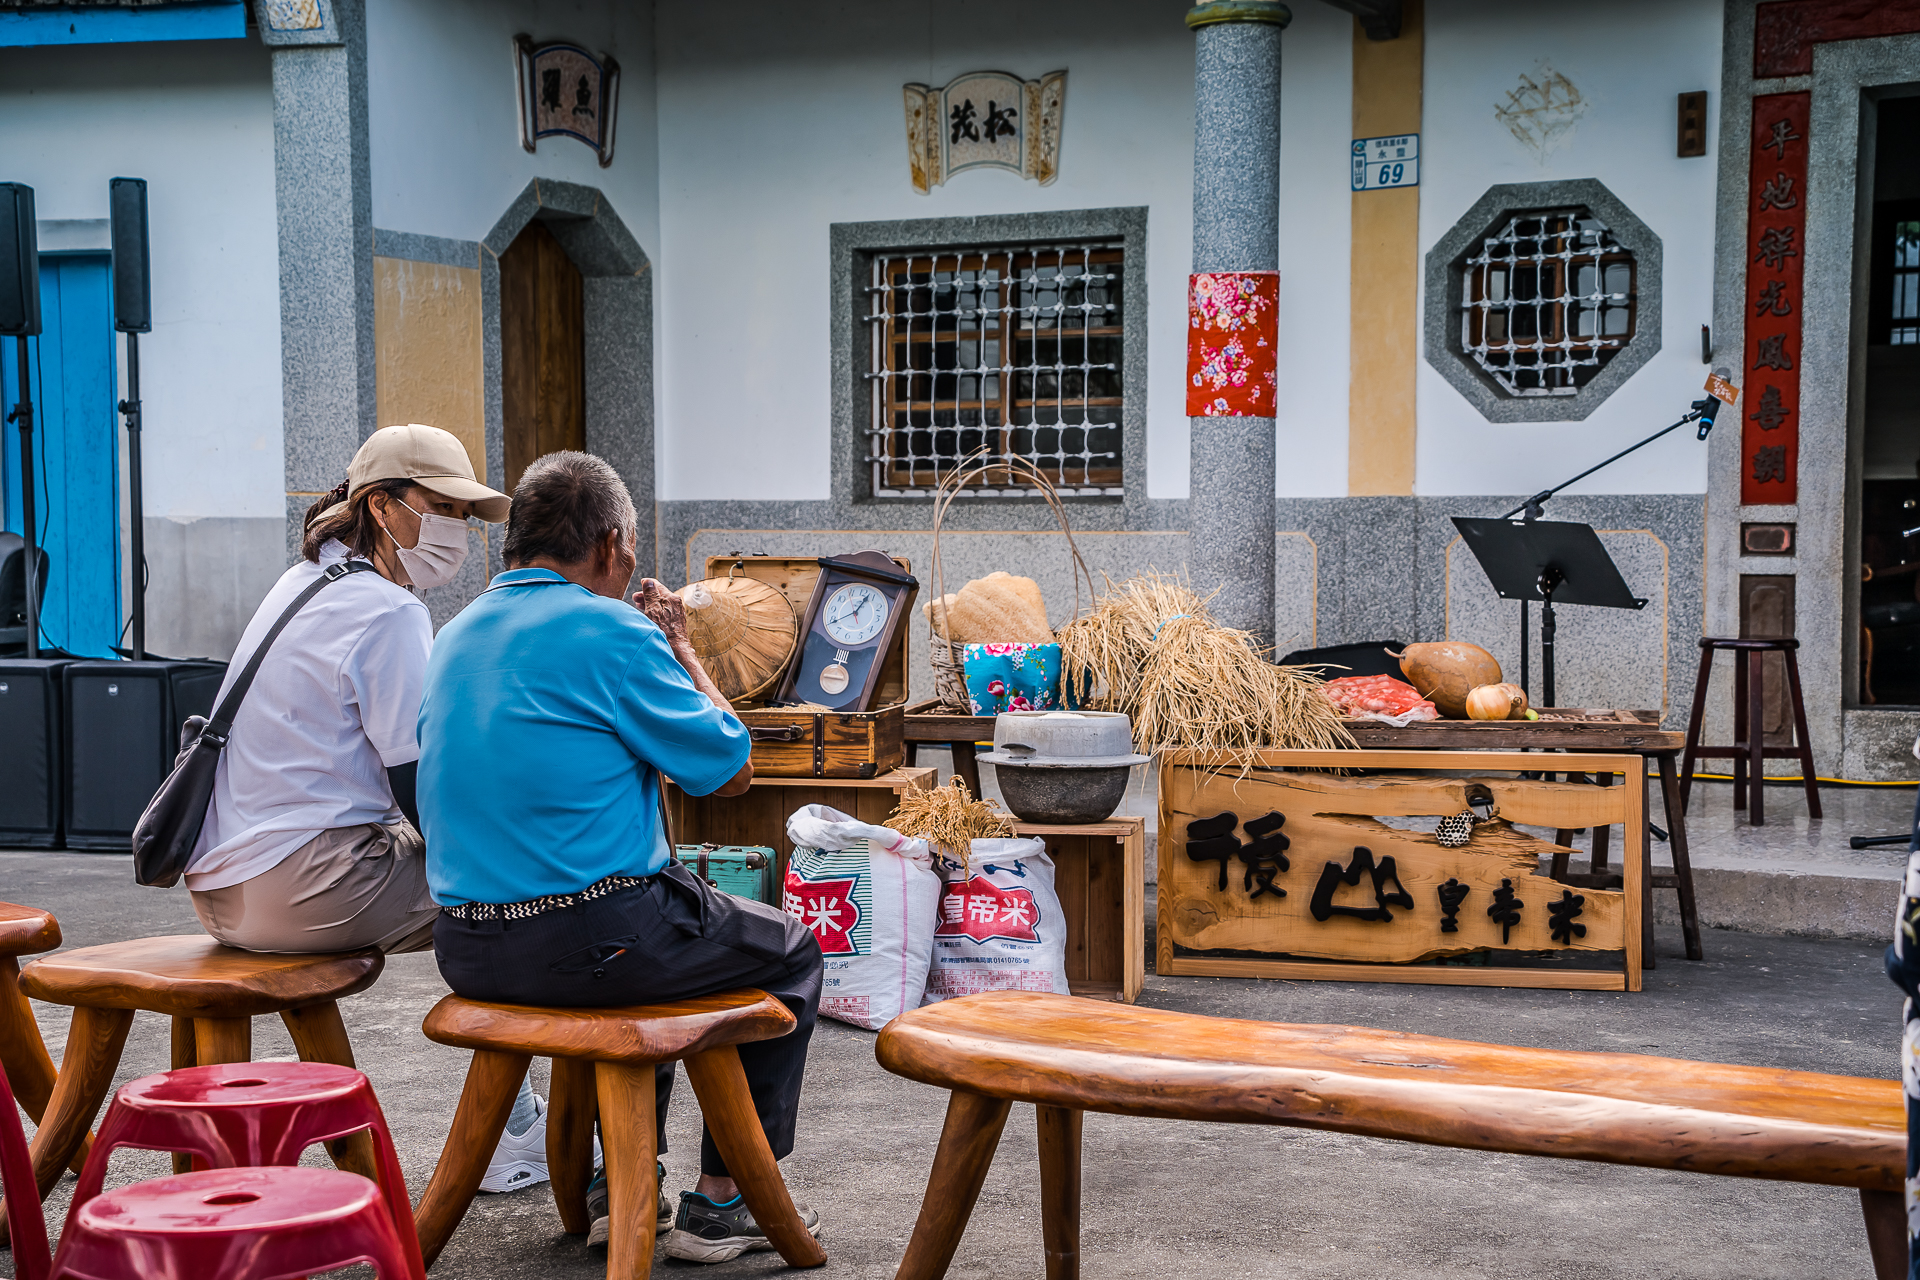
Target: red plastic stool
[250, 1114]
[234, 1224]
[25, 1227]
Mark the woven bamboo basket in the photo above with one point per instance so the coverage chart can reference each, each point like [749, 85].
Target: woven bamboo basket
[947, 656]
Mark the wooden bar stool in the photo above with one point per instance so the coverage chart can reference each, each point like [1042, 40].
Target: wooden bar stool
[26, 931]
[212, 993]
[1749, 750]
[603, 1061]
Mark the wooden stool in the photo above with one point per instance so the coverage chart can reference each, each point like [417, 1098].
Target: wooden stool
[26, 931]
[1749, 750]
[212, 993]
[603, 1060]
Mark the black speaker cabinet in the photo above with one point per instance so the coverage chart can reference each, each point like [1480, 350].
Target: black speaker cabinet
[127, 220]
[122, 732]
[30, 733]
[19, 262]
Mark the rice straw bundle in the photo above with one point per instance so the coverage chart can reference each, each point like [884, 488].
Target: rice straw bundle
[950, 817]
[1152, 650]
[742, 630]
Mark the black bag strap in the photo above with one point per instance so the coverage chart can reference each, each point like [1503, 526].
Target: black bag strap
[215, 734]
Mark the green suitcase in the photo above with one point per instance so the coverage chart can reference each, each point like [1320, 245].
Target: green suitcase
[746, 871]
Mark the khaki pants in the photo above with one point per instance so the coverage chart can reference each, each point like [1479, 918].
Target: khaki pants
[345, 889]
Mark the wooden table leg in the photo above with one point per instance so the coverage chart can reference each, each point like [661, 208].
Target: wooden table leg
[960, 1164]
[94, 1042]
[966, 764]
[1682, 860]
[185, 1054]
[727, 1107]
[570, 1115]
[1602, 836]
[320, 1036]
[23, 1054]
[1060, 1190]
[1647, 960]
[625, 1095]
[493, 1081]
[1757, 739]
[1886, 1218]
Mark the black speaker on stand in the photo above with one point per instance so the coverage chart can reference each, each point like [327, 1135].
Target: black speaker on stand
[133, 316]
[20, 320]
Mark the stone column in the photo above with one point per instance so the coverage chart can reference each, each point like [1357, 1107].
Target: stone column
[1236, 227]
[324, 196]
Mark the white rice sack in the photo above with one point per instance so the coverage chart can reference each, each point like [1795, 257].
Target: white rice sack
[870, 897]
[1001, 927]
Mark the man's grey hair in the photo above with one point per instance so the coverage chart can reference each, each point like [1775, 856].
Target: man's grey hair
[563, 506]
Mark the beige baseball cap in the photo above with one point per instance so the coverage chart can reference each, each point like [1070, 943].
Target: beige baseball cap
[434, 458]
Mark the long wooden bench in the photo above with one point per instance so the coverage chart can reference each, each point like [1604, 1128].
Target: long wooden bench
[1070, 1056]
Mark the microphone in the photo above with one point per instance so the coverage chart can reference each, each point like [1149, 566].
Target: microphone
[1707, 408]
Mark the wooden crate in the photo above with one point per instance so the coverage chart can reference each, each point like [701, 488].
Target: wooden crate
[1290, 911]
[1100, 873]
[758, 816]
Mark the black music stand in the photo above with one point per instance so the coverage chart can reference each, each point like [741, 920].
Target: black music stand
[1553, 561]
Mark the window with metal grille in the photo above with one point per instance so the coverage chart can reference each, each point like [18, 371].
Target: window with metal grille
[1015, 349]
[1548, 301]
[1906, 283]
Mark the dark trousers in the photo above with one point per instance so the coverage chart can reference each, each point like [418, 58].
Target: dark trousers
[673, 937]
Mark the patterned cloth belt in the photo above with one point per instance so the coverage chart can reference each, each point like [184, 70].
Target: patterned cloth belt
[540, 906]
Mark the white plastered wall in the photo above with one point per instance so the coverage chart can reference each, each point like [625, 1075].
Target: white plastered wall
[195, 119]
[777, 120]
[1629, 61]
[443, 136]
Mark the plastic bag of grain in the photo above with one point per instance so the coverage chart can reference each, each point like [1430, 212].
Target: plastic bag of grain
[870, 896]
[1001, 927]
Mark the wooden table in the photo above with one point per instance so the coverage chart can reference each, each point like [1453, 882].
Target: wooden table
[1576, 729]
[929, 724]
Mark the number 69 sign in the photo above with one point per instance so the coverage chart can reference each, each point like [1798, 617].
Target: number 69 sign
[1382, 163]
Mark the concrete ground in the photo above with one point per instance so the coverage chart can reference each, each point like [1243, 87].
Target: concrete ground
[1165, 1199]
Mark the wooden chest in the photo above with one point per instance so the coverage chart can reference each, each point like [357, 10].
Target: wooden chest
[759, 815]
[789, 743]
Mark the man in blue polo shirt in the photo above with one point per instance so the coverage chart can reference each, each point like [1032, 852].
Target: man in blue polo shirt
[552, 706]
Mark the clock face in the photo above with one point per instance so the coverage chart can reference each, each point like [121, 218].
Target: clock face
[854, 614]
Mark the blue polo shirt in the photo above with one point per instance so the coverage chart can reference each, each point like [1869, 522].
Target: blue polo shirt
[549, 712]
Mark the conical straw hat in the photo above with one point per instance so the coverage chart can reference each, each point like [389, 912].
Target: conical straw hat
[743, 632]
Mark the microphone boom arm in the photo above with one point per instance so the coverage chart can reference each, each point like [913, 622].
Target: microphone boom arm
[1532, 505]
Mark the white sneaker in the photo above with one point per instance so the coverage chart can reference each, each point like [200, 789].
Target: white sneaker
[521, 1161]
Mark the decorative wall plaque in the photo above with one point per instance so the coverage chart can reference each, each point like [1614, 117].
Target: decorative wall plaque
[985, 120]
[567, 92]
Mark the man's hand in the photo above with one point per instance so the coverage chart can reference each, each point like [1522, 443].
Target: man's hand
[666, 610]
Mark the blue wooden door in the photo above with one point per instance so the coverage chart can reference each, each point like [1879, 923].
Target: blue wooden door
[76, 453]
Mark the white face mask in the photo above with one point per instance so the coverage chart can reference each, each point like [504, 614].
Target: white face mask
[436, 557]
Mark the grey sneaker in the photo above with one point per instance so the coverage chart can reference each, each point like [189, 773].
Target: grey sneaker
[597, 1206]
[709, 1232]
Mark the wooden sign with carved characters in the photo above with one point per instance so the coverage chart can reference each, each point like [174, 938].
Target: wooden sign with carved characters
[1312, 867]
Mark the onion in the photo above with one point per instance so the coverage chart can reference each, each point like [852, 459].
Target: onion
[1447, 671]
[1497, 702]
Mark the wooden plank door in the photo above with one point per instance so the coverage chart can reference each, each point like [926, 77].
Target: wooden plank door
[542, 350]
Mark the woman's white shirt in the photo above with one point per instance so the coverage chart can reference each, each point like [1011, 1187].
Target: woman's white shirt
[333, 707]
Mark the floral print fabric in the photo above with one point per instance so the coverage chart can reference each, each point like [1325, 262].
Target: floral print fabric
[1012, 677]
[1232, 328]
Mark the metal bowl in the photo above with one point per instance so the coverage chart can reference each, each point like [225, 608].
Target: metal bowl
[1062, 795]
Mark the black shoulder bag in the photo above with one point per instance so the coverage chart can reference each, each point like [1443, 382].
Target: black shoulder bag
[164, 838]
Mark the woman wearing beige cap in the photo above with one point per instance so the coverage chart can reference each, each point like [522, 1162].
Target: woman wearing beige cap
[310, 842]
